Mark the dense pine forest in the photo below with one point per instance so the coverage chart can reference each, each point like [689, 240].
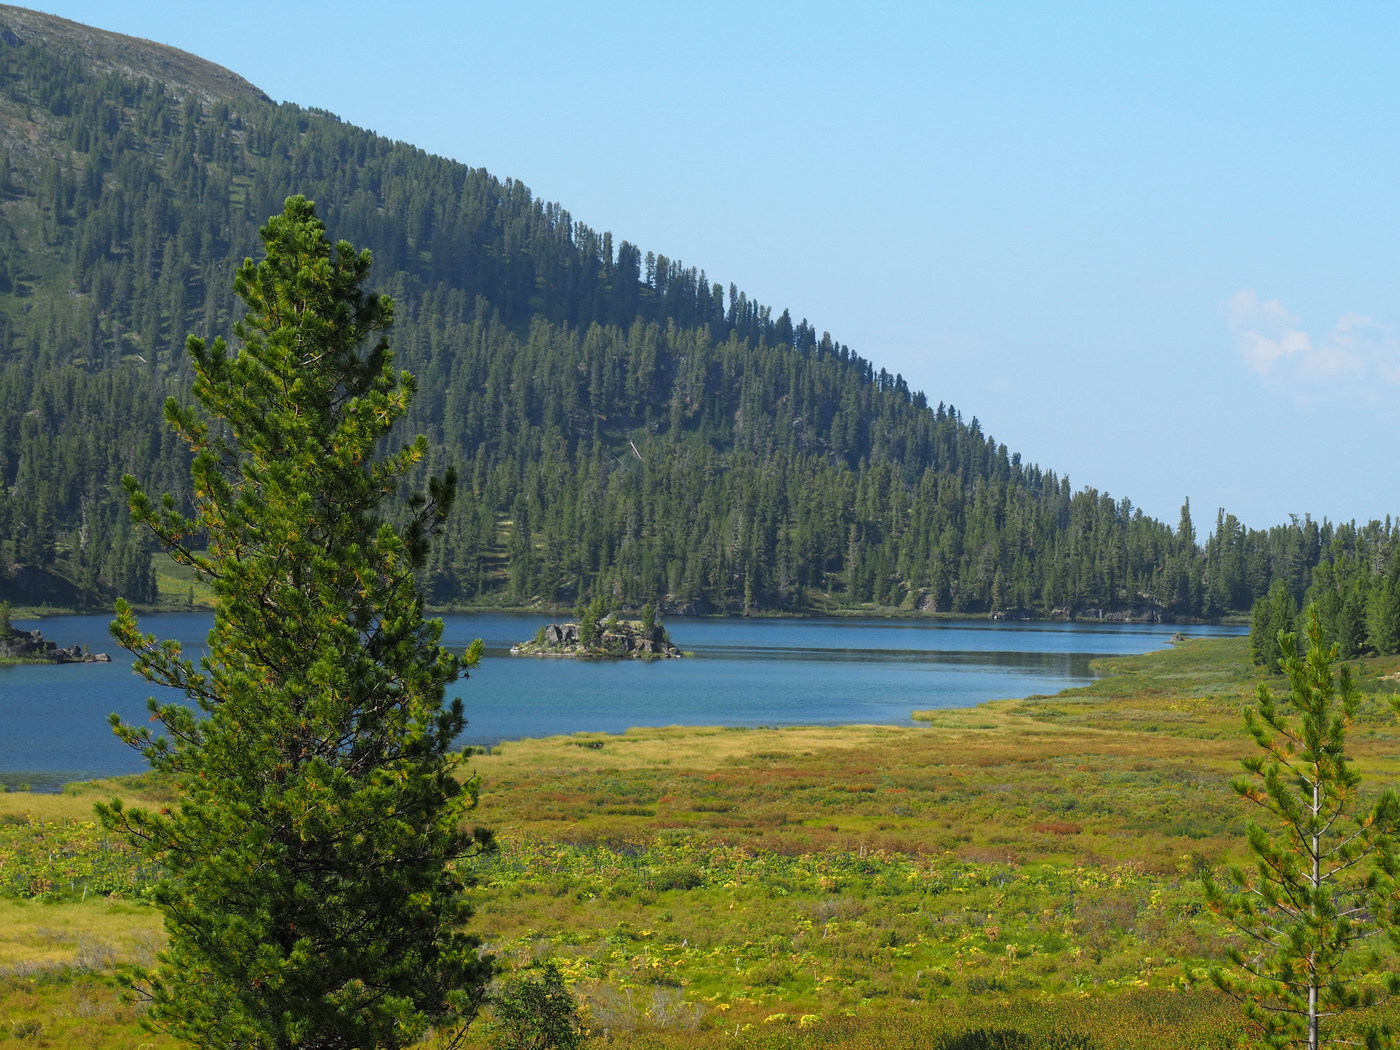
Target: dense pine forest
[621, 424]
[1356, 589]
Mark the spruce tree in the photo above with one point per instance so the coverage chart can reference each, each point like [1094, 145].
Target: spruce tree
[316, 865]
[1324, 879]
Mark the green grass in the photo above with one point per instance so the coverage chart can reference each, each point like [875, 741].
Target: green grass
[179, 585]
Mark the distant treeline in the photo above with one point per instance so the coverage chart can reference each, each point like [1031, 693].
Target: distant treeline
[621, 424]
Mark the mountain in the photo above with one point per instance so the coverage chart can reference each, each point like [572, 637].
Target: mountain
[621, 424]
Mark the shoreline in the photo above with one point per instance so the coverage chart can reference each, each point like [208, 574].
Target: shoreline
[920, 721]
[496, 723]
[843, 613]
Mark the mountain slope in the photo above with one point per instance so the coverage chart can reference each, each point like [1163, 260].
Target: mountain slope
[621, 423]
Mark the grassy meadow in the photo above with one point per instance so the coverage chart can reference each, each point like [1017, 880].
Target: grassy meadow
[1021, 865]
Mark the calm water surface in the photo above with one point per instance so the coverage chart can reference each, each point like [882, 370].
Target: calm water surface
[53, 719]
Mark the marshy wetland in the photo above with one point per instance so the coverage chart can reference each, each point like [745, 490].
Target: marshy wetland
[1022, 864]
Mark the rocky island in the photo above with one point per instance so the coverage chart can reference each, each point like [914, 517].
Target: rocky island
[607, 639]
[33, 647]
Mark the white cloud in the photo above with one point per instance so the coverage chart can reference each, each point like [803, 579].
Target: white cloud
[1358, 350]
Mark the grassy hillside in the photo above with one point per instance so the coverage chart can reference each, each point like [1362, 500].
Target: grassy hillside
[1021, 864]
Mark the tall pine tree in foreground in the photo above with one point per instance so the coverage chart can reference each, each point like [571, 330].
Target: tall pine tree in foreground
[1324, 881]
[316, 865]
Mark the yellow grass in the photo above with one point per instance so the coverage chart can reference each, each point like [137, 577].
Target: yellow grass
[92, 935]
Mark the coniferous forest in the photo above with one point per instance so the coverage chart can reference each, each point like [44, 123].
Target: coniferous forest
[621, 423]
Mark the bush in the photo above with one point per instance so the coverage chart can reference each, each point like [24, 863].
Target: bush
[677, 877]
[1009, 1039]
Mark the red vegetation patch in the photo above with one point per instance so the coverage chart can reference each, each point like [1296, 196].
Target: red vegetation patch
[1058, 827]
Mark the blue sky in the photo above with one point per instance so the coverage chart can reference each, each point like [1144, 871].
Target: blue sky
[1150, 246]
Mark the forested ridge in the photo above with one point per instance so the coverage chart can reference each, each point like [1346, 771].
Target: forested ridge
[621, 424]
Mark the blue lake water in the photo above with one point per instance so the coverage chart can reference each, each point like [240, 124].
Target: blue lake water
[53, 719]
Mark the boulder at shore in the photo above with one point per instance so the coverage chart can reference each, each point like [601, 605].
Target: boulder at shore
[619, 639]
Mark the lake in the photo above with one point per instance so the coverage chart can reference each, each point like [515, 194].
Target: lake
[745, 673]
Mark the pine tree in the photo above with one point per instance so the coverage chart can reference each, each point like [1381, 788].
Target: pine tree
[1273, 615]
[536, 1013]
[315, 867]
[1383, 615]
[1325, 873]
